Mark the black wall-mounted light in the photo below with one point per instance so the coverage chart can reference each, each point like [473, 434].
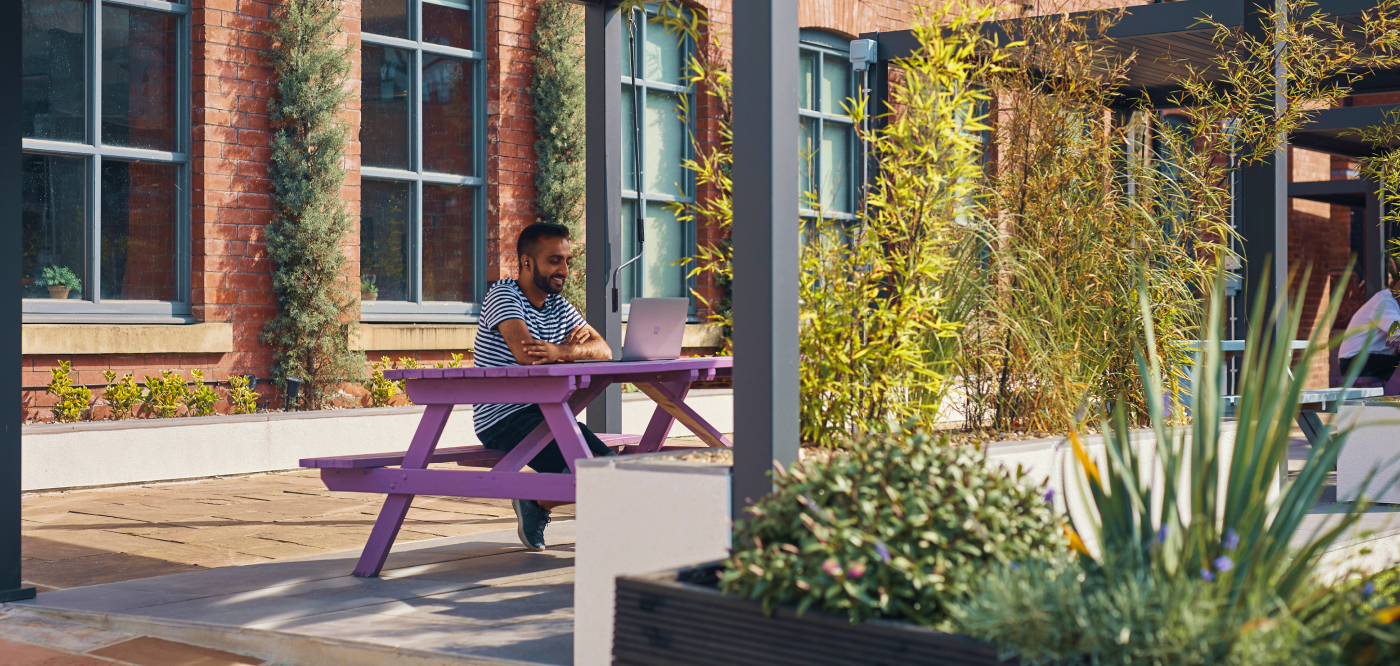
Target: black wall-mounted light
[293, 394]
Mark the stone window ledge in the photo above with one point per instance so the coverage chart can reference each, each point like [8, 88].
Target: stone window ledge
[79, 339]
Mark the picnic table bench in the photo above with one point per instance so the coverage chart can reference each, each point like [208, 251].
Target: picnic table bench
[561, 390]
[1313, 403]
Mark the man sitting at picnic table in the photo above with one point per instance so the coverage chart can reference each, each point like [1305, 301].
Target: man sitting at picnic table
[527, 322]
[1372, 324]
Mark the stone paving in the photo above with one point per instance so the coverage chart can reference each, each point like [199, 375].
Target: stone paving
[99, 536]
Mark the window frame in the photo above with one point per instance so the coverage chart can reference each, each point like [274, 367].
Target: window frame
[417, 310]
[646, 199]
[91, 308]
[823, 44]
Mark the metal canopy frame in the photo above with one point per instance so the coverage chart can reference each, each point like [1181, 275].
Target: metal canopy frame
[765, 233]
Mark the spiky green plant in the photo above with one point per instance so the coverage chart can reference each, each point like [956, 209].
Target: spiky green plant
[558, 92]
[316, 312]
[1229, 548]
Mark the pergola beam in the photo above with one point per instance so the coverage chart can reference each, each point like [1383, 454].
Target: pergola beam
[765, 240]
[11, 129]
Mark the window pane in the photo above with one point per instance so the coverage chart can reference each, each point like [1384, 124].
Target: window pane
[664, 144]
[53, 191]
[836, 167]
[139, 77]
[140, 211]
[836, 84]
[807, 81]
[447, 115]
[664, 246]
[384, 241]
[54, 39]
[447, 242]
[384, 84]
[386, 17]
[629, 140]
[661, 55]
[448, 22]
[807, 161]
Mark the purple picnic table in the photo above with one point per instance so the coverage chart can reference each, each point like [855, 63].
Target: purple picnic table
[561, 390]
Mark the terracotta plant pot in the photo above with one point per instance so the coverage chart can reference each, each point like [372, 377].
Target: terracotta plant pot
[58, 291]
[369, 295]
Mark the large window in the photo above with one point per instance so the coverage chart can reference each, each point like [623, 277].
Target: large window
[106, 160]
[654, 127]
[421, 209]
[829, 153]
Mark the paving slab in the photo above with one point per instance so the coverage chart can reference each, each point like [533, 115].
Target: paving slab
[480, 596]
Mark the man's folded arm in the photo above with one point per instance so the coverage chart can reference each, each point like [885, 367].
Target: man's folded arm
[583, 344]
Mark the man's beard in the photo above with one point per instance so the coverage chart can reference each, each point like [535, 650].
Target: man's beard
[543, 284]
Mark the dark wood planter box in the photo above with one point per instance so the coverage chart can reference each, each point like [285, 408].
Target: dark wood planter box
[679, 618]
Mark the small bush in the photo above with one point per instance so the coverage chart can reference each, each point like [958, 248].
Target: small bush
[121, 394]
[456, 362]
[72, 400]
[164, 394]
[381, 390]
[200, 401]
[59, 276]
[900, 526]
[241, 398]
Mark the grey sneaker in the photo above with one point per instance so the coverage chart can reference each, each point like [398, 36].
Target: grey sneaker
[532, 518]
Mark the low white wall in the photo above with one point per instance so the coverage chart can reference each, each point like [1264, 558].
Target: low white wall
[1053, 460]
[140, 451]
[637, 515]
[1372, 449]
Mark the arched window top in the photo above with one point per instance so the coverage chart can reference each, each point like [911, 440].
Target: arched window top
[823, 39]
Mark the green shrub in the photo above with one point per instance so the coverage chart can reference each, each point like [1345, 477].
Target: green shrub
[1378, 598]
[558, 91]
[456, 362]
[200, 401]
[121, 394]
[72, 400]
[165, 393]
[382, 390]
[902, 526]
[241, 398]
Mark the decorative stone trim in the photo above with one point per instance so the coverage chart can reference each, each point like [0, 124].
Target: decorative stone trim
[77, 339]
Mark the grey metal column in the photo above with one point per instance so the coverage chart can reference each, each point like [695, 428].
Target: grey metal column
[1263, 200]
[10, 317]
[603, 82]
[1373, 254]
[765, 244]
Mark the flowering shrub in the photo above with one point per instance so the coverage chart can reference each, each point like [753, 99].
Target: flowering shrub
[900, 526]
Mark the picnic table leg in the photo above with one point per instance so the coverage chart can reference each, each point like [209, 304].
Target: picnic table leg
[661, 420]
[533, 443]
[566, 433]
[386, 526]
[676, 407]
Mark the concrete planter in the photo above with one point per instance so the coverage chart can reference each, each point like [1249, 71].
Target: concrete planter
[679, 618]
[1372, 449]
[636, 515]
[107, 453]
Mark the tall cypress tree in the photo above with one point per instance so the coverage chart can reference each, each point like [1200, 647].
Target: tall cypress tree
[558, 92]
[310, 336]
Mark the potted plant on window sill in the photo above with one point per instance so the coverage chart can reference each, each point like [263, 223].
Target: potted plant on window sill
[59, 281]
[369, 291]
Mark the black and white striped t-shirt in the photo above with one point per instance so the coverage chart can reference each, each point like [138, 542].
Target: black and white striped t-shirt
[551, 323]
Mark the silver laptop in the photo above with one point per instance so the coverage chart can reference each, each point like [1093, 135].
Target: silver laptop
[655, 328]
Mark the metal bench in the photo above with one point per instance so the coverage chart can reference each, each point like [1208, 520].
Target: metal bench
[466, 456]
[1319, 401]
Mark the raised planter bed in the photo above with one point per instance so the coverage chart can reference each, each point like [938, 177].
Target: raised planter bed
[679, 618]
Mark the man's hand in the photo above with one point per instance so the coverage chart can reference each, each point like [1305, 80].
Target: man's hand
[542, 353]
[580, 336]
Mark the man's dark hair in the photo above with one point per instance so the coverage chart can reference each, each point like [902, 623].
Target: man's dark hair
[530, 236]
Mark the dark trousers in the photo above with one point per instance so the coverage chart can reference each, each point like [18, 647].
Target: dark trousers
[1380, 366]
[505, 434]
